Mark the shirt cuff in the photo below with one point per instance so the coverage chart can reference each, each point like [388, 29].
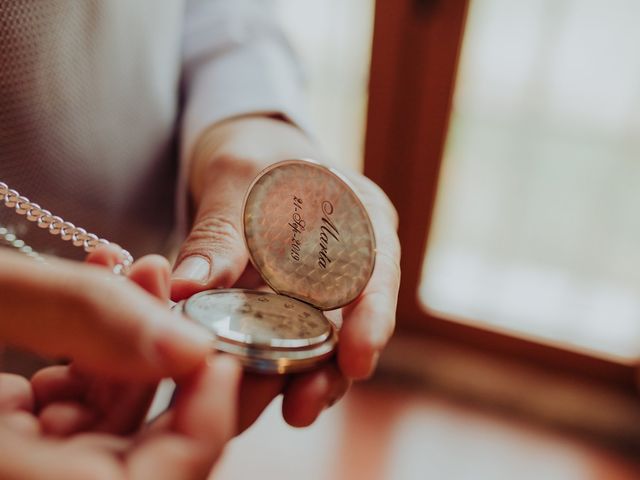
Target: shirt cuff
[245, 78]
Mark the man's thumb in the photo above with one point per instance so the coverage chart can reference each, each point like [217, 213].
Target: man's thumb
[214, 254]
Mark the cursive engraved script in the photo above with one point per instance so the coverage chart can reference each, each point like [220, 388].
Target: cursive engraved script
[297, 225]
[328, 231]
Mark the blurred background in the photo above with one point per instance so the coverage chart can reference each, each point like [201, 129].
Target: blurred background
[537, 229]
[507, 134]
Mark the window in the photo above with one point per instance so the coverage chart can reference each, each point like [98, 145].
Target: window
[536, 229]
[531, 247]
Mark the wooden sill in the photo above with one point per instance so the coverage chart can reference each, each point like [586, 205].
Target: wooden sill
[543, 395]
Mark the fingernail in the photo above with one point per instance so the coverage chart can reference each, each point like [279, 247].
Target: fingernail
[195, 268]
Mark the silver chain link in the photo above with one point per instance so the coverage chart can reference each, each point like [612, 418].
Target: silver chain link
[55, 225]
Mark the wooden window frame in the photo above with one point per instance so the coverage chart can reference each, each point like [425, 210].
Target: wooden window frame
[415, 55]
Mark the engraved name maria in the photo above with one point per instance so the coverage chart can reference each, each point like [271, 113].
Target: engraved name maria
[328, 231]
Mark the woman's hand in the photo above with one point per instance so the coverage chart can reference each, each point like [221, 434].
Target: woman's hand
[109, 325]
[69, 400]
[225, 161]
[183, 443]
[52, 415]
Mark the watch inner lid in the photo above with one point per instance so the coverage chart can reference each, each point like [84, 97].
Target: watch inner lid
[308, 234]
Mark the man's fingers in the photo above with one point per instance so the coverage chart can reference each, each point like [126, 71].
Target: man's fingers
[368, 324]
[107, 324]
[225, 160]
[204, 419]
[369, 321]
[214, 254]
[308, 394]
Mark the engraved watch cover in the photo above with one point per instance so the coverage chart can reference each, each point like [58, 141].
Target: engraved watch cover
[308, 234]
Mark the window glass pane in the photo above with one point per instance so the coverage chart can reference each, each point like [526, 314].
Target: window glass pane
[333, 40]
[537, 226]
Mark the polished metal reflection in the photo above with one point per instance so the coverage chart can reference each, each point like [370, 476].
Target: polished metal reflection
[268, 333]
[259, 318]
[308, 234]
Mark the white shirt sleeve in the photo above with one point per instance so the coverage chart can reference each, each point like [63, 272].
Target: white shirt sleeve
[236, 61]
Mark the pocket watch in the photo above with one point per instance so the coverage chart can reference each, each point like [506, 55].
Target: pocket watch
[311, 240]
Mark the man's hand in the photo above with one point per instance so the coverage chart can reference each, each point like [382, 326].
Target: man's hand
[225, 161]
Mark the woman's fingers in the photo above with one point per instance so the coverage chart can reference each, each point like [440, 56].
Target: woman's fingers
[106, 256]
[204, 418]
[107, 324]
[152, 273]
[25, 454]
[256, 393]
[19, 422]
[60, 398]
[66, 418]
[15, 393]
[107, 406]
[59, 383]
[183, 448]
[122, 407]
[117, 407]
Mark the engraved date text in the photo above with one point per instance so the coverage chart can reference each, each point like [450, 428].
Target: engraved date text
[297, 225]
